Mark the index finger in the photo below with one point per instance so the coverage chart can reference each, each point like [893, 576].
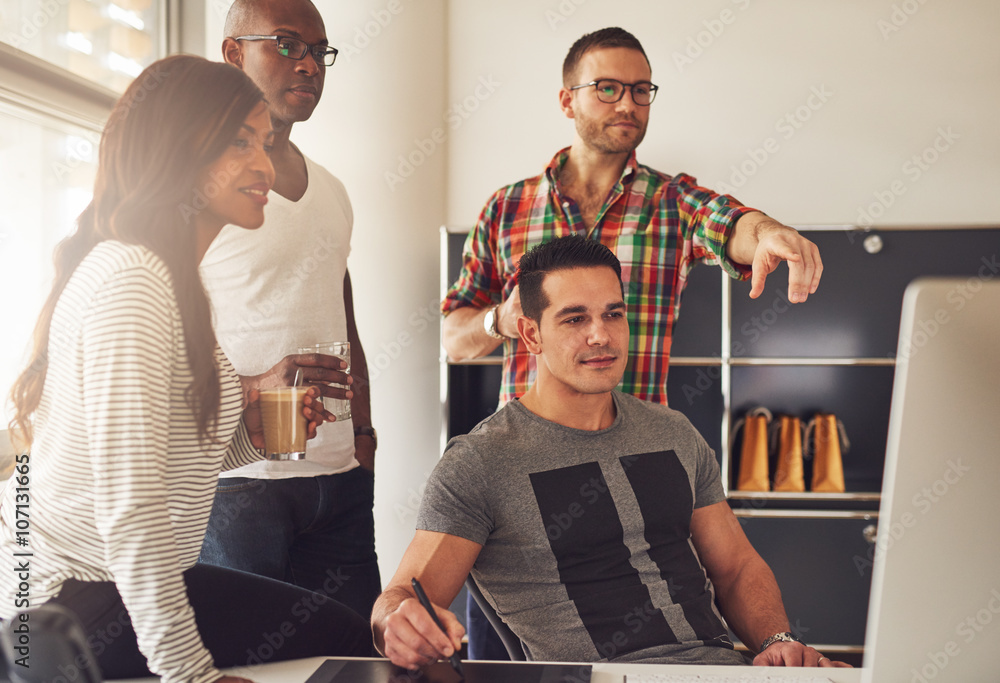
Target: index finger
[320, 360]
[446, 642]
[804, 273]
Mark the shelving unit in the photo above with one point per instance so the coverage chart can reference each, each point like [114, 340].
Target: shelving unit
[833, 354]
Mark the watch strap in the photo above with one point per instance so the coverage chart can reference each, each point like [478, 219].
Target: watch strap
[784, 636]
[491, 321]
[369, 432]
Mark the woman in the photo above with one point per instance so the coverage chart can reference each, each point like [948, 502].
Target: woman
[132, 410]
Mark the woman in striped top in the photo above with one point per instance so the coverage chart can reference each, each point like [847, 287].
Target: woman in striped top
[131, 410]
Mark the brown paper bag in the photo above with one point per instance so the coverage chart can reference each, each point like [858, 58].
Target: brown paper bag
[828, 466]
[753, 474]
[788, 473]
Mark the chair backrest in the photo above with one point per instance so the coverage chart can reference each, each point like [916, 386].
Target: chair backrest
[510, 641]
[58, 647]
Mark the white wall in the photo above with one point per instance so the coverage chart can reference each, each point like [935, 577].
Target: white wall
[894, 73]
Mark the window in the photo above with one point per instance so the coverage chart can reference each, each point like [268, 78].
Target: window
[62, 65]
[50, 165]
[107, 42]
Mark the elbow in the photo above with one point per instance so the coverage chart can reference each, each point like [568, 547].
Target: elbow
[452, 342]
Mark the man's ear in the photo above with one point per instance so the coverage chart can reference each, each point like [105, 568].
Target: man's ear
[566, 102]
[232, 52]
[530, 335]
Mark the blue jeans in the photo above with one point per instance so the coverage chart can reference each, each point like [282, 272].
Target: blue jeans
[484, 643]
[314, 532]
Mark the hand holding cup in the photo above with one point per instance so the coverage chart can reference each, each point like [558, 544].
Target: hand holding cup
[305, 412]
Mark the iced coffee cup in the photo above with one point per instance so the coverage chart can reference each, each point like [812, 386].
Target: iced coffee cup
[284, 424]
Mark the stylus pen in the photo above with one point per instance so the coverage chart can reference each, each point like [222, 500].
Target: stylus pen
[422, 597]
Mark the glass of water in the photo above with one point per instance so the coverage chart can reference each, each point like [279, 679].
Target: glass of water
[340, 407]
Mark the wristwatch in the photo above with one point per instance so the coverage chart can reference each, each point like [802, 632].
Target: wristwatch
[490, 323]
[367, 431]
[784, 637]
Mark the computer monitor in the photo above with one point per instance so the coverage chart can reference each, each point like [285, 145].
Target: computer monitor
[935, 598]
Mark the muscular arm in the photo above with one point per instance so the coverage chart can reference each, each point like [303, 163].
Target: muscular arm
[361, 407]
[745, 588]
[763, 243]
[402, 629]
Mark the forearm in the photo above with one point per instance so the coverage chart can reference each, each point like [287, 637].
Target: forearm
[361, 405]
[751, 603]
[386, 604]
[464, 336]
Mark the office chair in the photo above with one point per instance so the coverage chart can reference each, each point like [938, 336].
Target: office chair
[53, 645]
[510, 641]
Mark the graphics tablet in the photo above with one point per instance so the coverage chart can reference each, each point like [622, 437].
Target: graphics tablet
[383, 671]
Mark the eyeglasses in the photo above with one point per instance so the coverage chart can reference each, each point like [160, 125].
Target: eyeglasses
[610, 91]
[296, 49]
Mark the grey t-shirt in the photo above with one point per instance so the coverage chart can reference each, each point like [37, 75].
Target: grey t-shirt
[587, 552]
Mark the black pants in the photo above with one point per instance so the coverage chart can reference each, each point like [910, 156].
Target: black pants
[243, 619]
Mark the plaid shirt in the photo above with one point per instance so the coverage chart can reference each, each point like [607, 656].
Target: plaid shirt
[658, 226]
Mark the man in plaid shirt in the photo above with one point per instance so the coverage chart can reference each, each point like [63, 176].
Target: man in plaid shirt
[657, 225]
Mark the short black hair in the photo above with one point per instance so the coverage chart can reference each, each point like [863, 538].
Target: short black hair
[598, 40]
[563, 253]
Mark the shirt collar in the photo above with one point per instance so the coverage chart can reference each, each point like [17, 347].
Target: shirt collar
[559, 160]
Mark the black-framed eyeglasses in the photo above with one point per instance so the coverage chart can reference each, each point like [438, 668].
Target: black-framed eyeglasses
[610, 91]
[296, 49]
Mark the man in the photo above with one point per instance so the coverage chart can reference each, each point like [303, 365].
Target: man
[596, 523]
[280, 288]
[659, 226]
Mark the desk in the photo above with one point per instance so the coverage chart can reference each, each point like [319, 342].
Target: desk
[299, 670]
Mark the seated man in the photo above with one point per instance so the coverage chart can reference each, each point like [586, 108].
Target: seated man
[594, 522]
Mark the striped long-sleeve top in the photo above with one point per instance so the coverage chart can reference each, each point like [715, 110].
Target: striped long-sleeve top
[118, 486]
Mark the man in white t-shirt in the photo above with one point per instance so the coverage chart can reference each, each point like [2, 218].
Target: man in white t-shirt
[273, 291]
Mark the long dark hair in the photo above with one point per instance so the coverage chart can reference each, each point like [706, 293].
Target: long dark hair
[176, 118]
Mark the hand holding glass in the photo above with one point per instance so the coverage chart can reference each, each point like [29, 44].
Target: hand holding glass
[339, 407]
